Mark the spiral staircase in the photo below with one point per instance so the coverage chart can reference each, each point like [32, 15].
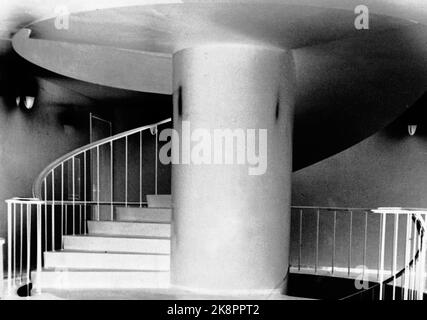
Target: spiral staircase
[132, 251]
[91, 244]
[83, 229]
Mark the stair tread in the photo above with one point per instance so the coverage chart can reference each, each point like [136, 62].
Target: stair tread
[143, 208]
[107, 252]
[101, 270]
[131, 222]
[115, 236]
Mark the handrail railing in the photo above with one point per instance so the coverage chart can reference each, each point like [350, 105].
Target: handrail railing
[414, 271]
[412, 266]
[21, 256]
[37, 186]
[411, 270]
[65, 211]
[63, 199]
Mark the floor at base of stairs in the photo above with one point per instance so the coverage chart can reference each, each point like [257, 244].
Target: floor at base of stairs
[147, 294]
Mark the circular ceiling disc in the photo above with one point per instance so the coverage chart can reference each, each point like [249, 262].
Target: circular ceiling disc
[351, 82]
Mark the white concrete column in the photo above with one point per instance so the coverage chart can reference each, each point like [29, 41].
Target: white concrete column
[231, 228]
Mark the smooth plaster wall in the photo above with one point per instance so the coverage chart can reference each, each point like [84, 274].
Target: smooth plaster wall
[29, 141]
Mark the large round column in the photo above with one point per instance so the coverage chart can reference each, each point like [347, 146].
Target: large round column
[231, 221]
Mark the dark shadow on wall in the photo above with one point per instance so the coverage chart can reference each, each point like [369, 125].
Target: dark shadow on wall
[386, 169]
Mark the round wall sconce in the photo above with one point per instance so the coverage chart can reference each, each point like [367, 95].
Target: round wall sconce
[412, 128]
[27, 102]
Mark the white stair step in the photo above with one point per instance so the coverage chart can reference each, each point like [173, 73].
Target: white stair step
[159, 200]
[109, 243]
[100, 279]
[130, 228]
[102, 260]
[144, 214]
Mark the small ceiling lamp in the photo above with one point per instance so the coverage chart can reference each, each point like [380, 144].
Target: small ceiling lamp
[411, 129]
[27, 102]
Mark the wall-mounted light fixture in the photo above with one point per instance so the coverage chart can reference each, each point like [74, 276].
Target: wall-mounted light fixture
[26, 102]
[412, 128]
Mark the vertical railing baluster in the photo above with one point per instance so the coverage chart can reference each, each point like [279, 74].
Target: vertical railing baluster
[365, 243]
[97, 182]
[21, 232]
[350, 241]
[28, 242]
[414, 251]
[140, 169]
[413, 245]
[379, 248]
[423, 257]
[111, 182]
[317, 240]
[300, 240]
[419, 262]
[421, 280]
[423, 264]
[156, 163]
[38, 285]
[53, 209]
[126, 171]
[9, 247]
[45, 213]
[21, 226]
[73, 187]
[62, 205]
[407, 256]
[383, 231]
[394, 263]
[334, 241]
[84, 191]
[14, 244]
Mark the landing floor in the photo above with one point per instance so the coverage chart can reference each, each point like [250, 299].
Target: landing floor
[145, 294]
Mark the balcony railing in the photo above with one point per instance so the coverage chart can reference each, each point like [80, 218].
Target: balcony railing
[385, 248]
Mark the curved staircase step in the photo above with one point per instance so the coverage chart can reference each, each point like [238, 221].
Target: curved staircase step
[143, 214]
[95, 279]
[109, 260]
[147, 229]
[110, 243]
[159, 200]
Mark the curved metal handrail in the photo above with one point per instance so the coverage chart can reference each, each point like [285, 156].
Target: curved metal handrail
[37, 186]
[421, 227]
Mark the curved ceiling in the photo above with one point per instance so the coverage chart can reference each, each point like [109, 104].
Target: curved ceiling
[167, 28]
[350, 82]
